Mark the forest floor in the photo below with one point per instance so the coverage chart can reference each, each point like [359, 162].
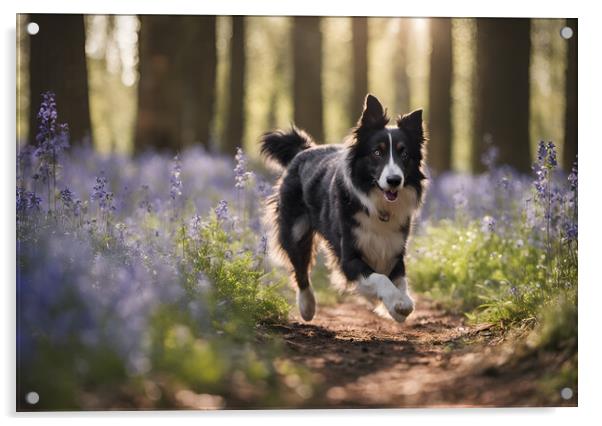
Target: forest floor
[434, 359]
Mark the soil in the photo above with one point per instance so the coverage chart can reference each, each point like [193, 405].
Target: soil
[434, 359]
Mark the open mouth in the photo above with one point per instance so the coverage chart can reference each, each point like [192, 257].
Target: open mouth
[390, 195]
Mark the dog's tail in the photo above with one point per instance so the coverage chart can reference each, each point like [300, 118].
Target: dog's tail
[281, 147]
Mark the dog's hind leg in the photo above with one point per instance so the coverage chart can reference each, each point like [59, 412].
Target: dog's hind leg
[297, 240]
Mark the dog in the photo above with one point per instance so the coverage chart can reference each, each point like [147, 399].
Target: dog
[359, 197]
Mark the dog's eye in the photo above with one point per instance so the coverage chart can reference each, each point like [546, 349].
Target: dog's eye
[377, 153]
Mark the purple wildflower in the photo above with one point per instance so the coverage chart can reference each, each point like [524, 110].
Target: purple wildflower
[542, 152]
[241, 176]
[47, 117]
[52, 138]
[552, 161]
[221, 211]
[100, 194]
[27, 200]
[176, 183]
[66, 196]
[196, 223]
[572, 178]
[21, 200]
[570, 230]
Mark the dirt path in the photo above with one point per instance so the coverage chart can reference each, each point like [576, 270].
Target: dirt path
[434, 359]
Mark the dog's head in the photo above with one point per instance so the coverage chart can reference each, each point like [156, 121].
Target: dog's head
[384, 157]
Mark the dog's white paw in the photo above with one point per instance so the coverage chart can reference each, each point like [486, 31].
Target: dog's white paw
[399, 305]
[395, 297]
[306, 303]
[401, 308]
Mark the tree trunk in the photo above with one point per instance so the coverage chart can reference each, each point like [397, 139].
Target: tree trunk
[198, 67]
[359, 31]
[570, 112]
[307, 75]
[176, 90]
[235, 122]
[400, 68]
[58, 64]
[501, 113]
[159, 97]
[440, 104]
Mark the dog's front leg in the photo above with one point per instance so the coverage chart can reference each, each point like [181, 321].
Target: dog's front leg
[379, 286]
[397, 276]
[372, 284]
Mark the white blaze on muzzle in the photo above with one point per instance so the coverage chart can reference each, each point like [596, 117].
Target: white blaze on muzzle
[390, 169]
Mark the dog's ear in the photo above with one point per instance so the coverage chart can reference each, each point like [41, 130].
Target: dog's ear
[373, 115]
[412, 124]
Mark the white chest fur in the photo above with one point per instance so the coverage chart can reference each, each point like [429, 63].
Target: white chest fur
[380, 242]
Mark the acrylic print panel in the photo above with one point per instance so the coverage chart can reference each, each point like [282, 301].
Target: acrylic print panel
[166, 229]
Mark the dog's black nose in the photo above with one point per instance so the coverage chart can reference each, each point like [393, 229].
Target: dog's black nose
[394, 180]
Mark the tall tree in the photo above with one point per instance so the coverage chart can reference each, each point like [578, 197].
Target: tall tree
[440, 103]
[177, 61]
[235, 121]
[501, 113]
[570, 112]
[400, 67]
[198, 64]
[57, 63]
[158, 123]
[307, 75]
[359, 32]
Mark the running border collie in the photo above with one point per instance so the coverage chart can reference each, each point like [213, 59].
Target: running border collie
[359, 198]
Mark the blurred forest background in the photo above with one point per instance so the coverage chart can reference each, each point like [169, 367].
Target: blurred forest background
[132, 83]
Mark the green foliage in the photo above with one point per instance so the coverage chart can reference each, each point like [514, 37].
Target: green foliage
[241, 289]
[491, 277]
[60, 373]
[209, 362]
[209, 355]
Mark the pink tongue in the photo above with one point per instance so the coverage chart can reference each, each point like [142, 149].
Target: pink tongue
[391, 196]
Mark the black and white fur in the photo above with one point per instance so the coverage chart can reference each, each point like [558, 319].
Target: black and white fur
[358, 197]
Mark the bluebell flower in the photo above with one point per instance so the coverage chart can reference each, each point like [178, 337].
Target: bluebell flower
[27, 200]
[52, 138]
[570, 231]
[100, 194]
[542, 152]
[66, 196]
[221, 211]
[196, 224]
[552, 161]
[22, 200]
[176, 183]
[572, 178]
[241, 176]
